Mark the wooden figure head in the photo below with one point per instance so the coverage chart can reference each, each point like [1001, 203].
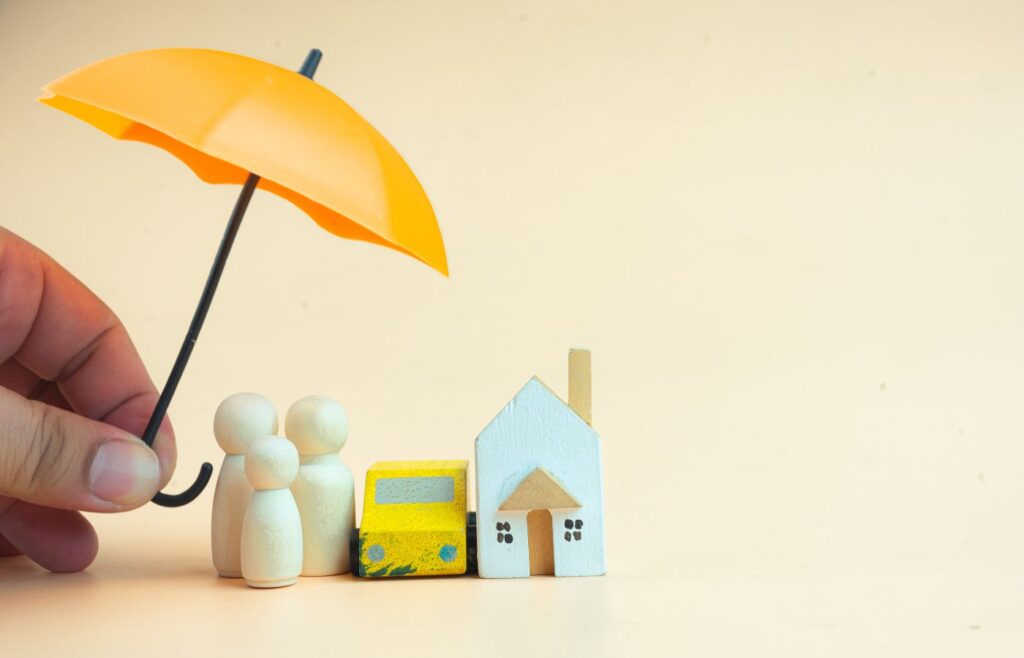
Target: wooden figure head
[271, 463]
[241, 419]
[316, 425]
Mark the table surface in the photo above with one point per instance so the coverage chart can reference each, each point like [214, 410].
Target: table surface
[790, 234]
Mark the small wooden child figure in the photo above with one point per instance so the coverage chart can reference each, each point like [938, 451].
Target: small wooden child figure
[240, 419]
[272, 530]
[324, 489]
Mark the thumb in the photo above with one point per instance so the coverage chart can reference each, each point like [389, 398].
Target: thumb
[56, 458]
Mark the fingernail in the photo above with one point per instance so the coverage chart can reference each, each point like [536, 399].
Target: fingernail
[123, 472]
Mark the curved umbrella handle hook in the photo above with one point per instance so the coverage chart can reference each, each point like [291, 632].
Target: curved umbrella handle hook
[190, 494]
[206, 470]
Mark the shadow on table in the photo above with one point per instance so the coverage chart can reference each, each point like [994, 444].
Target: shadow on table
[22, 574]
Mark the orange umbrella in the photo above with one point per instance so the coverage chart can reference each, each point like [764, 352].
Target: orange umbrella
[233, 119]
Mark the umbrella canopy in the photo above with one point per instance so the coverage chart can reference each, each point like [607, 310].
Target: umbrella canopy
[225, 115]
[233, 119]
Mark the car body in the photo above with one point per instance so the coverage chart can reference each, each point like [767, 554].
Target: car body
[414, 520]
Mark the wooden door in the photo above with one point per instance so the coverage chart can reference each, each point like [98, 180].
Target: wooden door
[541, 540]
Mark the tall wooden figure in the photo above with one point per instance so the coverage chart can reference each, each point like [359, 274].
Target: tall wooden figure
[272, 530]
[324, 489]
[240, 419]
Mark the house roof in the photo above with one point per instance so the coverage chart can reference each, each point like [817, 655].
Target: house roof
[539, 490]
[533, 393]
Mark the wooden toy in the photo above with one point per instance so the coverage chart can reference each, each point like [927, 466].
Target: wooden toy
[414, 521]
[226, 116]
[539, 491]
[272, 530]
[240, 419]
[324, 490]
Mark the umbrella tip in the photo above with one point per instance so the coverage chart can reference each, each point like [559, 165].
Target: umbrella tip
[312, 61]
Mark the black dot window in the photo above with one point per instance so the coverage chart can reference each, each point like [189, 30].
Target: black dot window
[504, 534]
[573, 529]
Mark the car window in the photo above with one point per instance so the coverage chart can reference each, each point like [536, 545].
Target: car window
[391, 491]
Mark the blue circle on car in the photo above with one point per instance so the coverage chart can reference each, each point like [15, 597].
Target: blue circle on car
[448, 553]
[375, 553]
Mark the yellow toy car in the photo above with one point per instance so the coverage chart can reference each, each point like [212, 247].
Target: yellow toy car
[415, 521]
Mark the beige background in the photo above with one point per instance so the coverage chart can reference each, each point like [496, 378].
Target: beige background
[789, 231]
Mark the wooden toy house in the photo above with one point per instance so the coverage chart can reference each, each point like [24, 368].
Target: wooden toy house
[539, 492]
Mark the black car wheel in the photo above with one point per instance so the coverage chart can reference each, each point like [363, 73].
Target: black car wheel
[471, 568]
[353, 553]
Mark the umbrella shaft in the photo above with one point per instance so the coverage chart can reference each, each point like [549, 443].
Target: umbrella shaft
[201, 310]
[187, 496]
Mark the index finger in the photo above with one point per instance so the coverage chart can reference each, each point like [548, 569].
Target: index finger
[54, 326]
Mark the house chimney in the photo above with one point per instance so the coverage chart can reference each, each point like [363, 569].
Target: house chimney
[579, 383]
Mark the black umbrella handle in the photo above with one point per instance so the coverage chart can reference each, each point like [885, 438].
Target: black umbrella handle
[160, 411]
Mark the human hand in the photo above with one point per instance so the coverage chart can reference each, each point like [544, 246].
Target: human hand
[74, 397]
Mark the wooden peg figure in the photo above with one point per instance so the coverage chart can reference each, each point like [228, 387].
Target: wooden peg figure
[324, 489]
[272, 530]
[240, 419]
